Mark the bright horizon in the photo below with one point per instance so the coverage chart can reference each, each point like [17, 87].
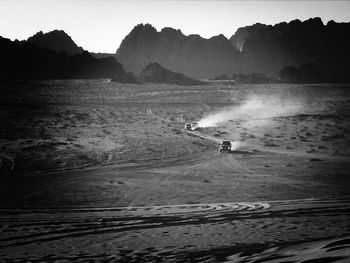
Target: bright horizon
[100, 26]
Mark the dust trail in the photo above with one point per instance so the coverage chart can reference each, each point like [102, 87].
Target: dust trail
[258, 108]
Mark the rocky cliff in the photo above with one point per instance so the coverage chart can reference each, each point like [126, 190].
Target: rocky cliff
[259, 48]
[191, 55]
[56, 40]
[267, 49]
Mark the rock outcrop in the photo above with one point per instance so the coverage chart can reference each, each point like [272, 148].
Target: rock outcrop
[191, 55]
[56, 40]
[155, 73]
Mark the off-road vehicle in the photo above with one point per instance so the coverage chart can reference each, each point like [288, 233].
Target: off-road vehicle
[225, 146]
[191, 126]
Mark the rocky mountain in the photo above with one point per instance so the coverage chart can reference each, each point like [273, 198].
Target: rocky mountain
[56, 40]
[23, 60]
[155, 73]
[191, 55]
[262, 49]
[267, 49]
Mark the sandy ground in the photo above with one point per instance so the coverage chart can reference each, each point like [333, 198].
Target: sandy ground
[94, 170]
[234, 232]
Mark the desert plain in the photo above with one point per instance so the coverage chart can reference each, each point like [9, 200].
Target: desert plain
[93, 170]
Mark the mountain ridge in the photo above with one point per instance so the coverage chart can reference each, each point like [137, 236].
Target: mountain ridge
[192, 55]
[25, 60]
[258, 48]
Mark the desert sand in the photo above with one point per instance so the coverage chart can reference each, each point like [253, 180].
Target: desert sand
[96, 170]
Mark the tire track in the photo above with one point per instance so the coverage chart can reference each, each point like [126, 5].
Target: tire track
[44, 225]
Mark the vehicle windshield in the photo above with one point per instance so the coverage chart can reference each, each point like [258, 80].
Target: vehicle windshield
[225, 143]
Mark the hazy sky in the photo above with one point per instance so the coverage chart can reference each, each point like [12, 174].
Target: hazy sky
[100, 26]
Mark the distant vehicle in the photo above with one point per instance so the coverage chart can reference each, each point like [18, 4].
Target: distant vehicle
[191, 126]
[188, 126]
[225, 146]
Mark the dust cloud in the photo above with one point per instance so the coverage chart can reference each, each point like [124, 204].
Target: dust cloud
[256, 108]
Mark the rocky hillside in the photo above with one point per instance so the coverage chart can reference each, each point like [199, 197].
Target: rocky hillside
[57, 40]
[191, 55]
[155, 73]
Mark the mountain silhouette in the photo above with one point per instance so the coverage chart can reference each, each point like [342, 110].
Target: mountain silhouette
[291, 51]
[23, 60]
[191, 55]
[56, 40]
[264, 49]
[267, 49]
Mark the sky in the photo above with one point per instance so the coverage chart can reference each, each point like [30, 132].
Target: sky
[100, 26]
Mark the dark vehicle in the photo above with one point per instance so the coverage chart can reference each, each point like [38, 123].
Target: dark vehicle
[188, 126]
[225, 146]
